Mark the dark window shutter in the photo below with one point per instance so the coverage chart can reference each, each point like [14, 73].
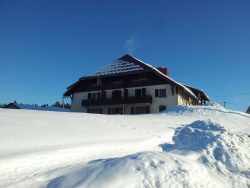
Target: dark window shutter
[172, 89]
[103, 94]
[143, 92]
[125, 92]
[119, 93]
[157, 93]
[89, 96]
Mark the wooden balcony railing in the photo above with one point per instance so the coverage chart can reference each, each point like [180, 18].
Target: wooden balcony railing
[115, 101]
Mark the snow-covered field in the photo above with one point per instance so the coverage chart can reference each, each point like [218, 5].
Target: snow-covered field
[183, 147]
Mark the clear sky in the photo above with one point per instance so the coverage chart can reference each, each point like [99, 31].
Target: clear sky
[47, 45]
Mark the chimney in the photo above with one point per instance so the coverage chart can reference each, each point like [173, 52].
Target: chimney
[164, 70]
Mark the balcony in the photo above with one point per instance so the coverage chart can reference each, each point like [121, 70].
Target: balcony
[117, 101]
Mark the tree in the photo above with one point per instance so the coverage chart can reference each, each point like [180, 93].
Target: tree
[57, 104]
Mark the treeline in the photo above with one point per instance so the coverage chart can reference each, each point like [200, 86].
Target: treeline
[3, 105]
[56, 104]
[61, 105]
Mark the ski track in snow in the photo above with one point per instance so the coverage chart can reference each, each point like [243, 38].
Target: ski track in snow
[72, 149]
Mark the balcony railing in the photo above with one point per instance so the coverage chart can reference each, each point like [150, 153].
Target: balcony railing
[115, 101]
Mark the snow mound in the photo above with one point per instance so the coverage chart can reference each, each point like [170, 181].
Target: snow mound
[142, 170]
[221, 150]
[198, 149]
[197, 135]
[179, 109]
[212, 109]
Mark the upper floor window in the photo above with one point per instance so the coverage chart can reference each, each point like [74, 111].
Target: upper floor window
[94, 96]
[116, 94]
[98, 81]
[116, 80]
[140, 77]
[93, 81]
[140, 92]
[160, 93]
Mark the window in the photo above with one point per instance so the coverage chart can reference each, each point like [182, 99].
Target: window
[95, 110]
[94, 96]
[99, 81]
[116, 110]
[116, 94]
[160, 93]
[140, 92]
[162, 108]
[93, 82]
[140, 77]
[116, 80]
[140, 110]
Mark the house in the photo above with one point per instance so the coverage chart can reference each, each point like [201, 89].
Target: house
[34, 107]
[248, 110]
[130, 86]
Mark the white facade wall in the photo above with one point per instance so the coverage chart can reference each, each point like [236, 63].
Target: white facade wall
[169, 101]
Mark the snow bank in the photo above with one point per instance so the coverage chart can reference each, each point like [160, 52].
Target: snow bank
[143, 170]
[198, 149]
[220, 150]
[225, 148]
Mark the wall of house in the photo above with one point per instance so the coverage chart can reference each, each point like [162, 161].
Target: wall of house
[184, 99]
[76, 104]
[169, 101]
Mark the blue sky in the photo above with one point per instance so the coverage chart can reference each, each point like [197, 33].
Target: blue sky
[47, 45]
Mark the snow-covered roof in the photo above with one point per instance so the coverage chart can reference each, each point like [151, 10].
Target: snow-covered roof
[195, 89]
[46, 108]
[129, 64]
[118, 66]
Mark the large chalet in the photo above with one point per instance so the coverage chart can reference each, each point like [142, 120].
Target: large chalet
[130, 86]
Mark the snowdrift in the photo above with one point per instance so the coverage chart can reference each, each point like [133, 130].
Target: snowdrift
[215, 149]
[182, 147]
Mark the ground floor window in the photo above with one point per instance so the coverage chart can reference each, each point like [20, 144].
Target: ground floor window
[115, 110]
[162, 108]
[140, 110]
[95, 110]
